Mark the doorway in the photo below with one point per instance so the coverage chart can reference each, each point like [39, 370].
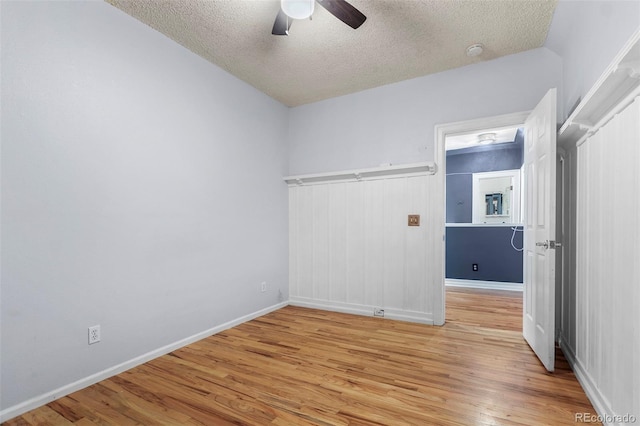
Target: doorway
[484, 244]
[458, 128]
[539, 219]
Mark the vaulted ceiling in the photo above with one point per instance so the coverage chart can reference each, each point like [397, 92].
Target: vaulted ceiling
[324, 58]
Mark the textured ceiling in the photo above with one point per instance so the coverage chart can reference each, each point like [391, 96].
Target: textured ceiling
[323, 58]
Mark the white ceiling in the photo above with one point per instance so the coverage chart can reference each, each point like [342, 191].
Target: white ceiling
[324, 58]
[469, 140]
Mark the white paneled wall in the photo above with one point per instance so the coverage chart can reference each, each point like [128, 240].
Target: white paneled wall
[351, 249]
[607, 329]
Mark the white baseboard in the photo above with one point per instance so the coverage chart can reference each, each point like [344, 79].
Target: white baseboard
[487, 285]
[365, 310]
[38, 401]
[598, 400]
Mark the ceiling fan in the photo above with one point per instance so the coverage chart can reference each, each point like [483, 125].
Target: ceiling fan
[302, 9]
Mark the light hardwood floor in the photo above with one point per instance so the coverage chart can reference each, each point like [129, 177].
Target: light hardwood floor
[300, 366]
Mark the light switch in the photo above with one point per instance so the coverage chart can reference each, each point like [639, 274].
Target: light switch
[414, 220]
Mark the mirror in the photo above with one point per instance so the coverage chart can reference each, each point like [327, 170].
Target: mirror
[496, 197]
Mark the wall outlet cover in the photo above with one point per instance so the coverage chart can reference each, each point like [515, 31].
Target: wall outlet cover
[94, 334]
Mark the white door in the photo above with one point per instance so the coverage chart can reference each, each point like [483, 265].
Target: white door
[540, 230]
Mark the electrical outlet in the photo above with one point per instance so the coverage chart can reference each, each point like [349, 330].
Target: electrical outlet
[94, 334]
[474, 267]
[378, 312]
[263, 286]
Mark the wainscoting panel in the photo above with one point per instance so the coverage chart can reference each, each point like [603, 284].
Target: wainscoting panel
[607, 341]
[351, 248]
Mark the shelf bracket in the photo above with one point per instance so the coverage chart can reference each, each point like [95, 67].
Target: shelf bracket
[631, 67]
[584, 126]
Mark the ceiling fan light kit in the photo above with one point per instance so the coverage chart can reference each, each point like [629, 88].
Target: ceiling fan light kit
[486, 138]
[302, 9]
[298, 9]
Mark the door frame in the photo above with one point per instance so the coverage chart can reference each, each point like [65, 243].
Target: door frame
[441, 133]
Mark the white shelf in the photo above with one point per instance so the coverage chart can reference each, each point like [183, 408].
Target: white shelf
[616, 88]
[415, 169]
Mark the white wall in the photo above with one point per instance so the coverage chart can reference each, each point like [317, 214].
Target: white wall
[141, 190]
[395, 123]
[588, 35]
[606, 343]
[351, 248]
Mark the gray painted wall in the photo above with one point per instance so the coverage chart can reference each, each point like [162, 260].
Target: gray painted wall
[588, 35]
[395, 123]
[141, 190]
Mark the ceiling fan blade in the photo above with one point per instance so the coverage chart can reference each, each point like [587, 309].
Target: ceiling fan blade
[282, 24]
[344, 12]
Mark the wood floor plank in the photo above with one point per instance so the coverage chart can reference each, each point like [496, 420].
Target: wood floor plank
[46, 415]
[299, 366]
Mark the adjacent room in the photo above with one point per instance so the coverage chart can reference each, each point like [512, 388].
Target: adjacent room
[247, 212]
[483, 209]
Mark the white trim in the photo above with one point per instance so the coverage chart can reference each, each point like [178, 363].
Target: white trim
[482, 225]
[478, 201]
[414, 169]
[40, 400]
[364, 310]
[598, 400]
[620, 106]
[488, 285]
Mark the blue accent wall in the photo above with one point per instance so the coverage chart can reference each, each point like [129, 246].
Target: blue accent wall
[489, 247]
[459, 198]
[474, 160]
[462, 163]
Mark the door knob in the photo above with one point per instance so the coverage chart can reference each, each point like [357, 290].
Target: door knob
[549, 244]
